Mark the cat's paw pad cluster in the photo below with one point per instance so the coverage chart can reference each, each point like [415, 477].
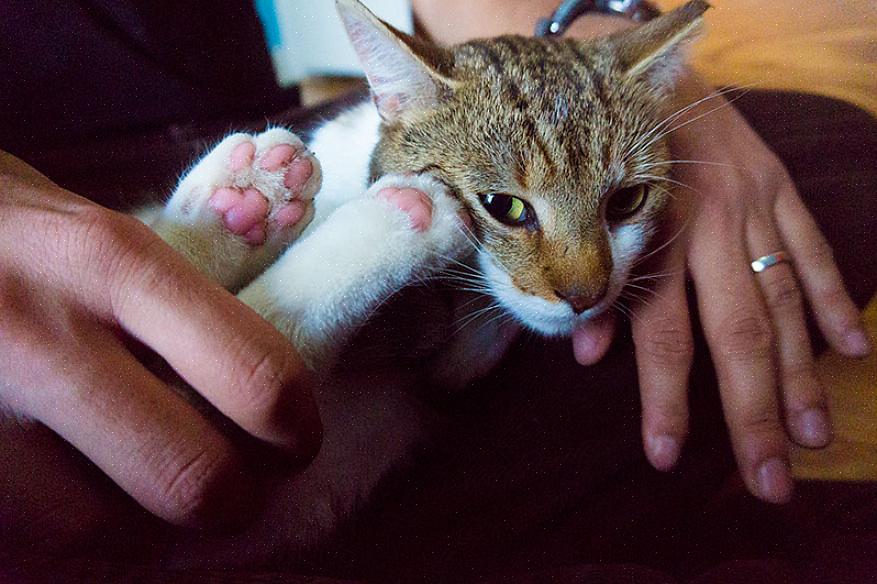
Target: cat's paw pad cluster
[413, 202]
[427, 209]
[261, 187]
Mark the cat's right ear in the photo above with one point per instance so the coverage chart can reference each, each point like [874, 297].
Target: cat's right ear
[402, 73]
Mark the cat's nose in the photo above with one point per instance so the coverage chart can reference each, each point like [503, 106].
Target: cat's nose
[581, 301]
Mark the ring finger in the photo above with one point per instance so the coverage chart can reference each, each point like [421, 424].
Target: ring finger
[802, 395]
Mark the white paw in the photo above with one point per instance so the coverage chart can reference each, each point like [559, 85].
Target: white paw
[424, 207]
[257, 190]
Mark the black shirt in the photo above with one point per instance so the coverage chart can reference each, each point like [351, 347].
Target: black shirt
[73, 70]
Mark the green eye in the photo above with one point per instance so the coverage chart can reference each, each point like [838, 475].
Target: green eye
[625, 202]
[507, 209]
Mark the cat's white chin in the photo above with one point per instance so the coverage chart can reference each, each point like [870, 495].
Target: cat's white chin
[550, 319]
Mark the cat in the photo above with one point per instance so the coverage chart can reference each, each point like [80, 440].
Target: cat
[517, 176]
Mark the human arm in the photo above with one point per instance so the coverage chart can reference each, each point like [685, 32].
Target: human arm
[79, 286]
[754, 325]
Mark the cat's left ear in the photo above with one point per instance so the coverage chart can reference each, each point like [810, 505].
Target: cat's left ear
[403, 73]
[655, 51]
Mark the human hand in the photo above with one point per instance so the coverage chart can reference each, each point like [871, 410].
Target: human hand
[741, 205]
[78, 283]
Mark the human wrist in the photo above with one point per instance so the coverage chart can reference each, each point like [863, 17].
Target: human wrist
[455, 21]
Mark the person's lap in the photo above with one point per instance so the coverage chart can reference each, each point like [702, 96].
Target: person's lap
[542, 466]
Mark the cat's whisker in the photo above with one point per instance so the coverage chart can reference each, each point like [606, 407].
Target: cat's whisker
[473, 316]
[649, 138]
[659, 179]
[626, 311]
[656, 276]
[685, 109]
[460, 277]
[470, 301]
[503, 317]
[638, 298]
[697, 118]
[664, 245]
[692, 162]
[651, 291]
[470, 237]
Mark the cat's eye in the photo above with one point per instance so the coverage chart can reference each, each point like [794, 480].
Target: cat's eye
[625, 202]
[508, 209]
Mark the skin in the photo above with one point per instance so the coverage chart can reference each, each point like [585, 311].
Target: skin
[113, 286]
[743, 207]
[84, 292]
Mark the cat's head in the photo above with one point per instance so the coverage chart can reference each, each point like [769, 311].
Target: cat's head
[553, 146]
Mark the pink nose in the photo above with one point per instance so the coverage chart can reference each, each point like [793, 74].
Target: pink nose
[580, 302]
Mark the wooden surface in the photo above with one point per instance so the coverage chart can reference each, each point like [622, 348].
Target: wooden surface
[852, 387]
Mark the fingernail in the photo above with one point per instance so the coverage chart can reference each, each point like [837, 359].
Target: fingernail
[858, 343]
[815, 428]
[774, 481]
[664, 451]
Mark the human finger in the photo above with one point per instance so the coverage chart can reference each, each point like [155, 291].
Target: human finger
[803, 397]
[231, 356]
[835, 312]
[664, 352]
[143, 436]
[740, 338]
[591, 339]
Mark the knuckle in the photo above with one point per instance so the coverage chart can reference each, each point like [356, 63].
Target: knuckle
[783, 293]
[263, 380]
[801, 384]
[99, 240]
[667, 343]
[667, 416]
[761, 424]
[746, 337]
[724, 214]
[188, 489]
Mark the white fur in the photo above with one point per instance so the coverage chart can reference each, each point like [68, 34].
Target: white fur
[558, 318]
[194, 229]
[344, 147]
[325, 287]
[358, 251]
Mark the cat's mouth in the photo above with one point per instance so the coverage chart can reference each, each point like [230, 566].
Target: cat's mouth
[549, 318]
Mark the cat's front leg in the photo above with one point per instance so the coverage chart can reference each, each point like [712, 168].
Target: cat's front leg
[322, 289]
[238, 207]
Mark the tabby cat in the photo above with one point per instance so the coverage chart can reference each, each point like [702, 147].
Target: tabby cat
[526, 174]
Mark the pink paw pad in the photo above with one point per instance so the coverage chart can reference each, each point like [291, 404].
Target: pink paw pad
[298, 174]
[277, 157]
[242, 156]
[416, 204]
[289, 214]
[243, 213]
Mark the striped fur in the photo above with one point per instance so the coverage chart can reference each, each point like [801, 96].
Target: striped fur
[561, 124]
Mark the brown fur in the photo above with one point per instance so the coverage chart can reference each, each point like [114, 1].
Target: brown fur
[553, 122]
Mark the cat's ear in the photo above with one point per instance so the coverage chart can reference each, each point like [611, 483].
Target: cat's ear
[403, 73]
[655, 51]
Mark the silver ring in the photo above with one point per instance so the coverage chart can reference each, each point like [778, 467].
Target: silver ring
[769, 261]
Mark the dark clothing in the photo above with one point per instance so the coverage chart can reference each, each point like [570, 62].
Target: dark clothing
[74, 70]
[541, 469]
